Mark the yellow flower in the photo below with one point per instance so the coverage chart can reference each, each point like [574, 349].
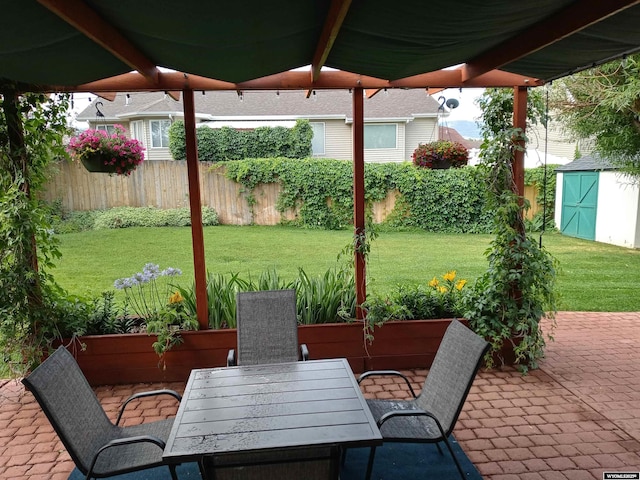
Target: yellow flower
[460, 285]
[176, 298]
[442, 289]
[450, 276]
[434, 282]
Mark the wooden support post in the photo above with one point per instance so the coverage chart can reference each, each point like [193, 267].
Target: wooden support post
[519, 121]
[197, 235]
[358, 198]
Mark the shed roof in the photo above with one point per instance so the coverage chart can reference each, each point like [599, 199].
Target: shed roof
[587, 164]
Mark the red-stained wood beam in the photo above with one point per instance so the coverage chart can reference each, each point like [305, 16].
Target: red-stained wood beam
[197, 233]
[358, 199]
[109, 96]
[371, 92]
[519, 121]
[83, 18]
[333, 23]
[572, 18]
[294, 80]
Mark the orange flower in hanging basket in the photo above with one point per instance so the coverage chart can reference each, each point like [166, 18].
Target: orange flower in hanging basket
[112, 153]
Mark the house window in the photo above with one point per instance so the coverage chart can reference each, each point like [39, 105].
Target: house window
[136, 131]
[160, 133]
[109, 128]
[380, 136]
[317, 142]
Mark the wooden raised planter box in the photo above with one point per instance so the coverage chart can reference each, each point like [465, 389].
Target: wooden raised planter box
[129, 358]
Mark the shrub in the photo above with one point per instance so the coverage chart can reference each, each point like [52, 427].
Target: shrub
[440, 154]
[224, 144]
[123, 217]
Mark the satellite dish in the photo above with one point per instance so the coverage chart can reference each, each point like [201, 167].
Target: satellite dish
[452, 103]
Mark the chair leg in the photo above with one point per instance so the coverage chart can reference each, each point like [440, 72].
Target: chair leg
[455, 459]
[370, 463]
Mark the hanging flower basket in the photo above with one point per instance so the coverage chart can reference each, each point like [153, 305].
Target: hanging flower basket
[441, 154]
[100, 151]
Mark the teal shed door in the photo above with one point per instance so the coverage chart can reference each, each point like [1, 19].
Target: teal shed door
[579, 204]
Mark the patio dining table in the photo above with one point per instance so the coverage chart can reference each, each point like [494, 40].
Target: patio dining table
[271, 414]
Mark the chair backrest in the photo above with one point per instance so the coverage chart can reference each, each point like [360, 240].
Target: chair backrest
[267, 325]
[71, 406]
[454, 367]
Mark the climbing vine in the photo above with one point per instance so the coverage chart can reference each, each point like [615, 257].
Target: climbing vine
[322, 192]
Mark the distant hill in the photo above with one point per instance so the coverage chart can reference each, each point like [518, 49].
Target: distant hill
[466, 128]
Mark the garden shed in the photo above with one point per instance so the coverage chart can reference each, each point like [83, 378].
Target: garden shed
[595, 201]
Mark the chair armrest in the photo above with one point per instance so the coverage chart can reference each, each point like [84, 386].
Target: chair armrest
[394, 373]
[124, 441]
[151, 393]
[410, 413]
[304, 352]
[231, 358]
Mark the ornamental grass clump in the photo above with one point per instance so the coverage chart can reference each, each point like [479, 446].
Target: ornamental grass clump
[440, 154]
[113, 153]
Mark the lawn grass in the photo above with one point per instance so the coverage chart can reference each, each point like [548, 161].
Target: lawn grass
[592, 277]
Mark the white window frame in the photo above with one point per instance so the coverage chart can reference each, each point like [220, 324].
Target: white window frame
[136, 129]
[160, 122]
[369, 125]
[324, 136]
[110, 128]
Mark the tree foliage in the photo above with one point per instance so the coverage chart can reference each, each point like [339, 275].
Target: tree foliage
[603, 104]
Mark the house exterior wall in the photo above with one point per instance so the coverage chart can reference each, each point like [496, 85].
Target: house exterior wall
[384, 155]
[337, 140]
[421, 130]
[617, 219]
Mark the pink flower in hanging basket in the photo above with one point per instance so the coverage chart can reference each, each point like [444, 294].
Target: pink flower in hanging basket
[100, 151]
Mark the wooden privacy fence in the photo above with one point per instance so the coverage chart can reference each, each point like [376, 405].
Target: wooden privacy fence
[163, 184]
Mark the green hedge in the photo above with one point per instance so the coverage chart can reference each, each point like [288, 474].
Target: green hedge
[223, 144]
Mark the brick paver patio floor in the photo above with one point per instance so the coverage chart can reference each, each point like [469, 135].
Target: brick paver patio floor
[574, 418]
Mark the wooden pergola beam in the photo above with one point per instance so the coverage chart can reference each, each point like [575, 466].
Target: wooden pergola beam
[572, 18]
[333, 23]
[83, 18]
[297, 80]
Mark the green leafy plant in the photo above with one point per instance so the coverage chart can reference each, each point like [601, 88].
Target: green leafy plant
[32, 305]
[440, 154]
[439, 298]
[168, 323]
[507, 302]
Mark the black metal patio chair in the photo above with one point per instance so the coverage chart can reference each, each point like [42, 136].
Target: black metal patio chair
[267, 325]
[98, 447]
[431, 416]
